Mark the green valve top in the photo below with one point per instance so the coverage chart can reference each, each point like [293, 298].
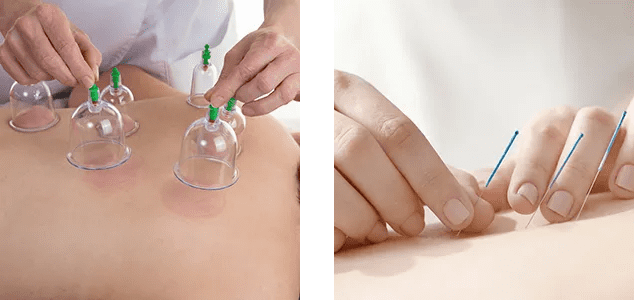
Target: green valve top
[94, 93]
[231, 104]
[206, 55]
[213, 113]
[116, 77]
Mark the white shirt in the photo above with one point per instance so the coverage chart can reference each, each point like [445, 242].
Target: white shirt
[165, 38]
[470, 72]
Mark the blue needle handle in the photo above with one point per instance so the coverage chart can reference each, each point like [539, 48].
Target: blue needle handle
[502, 158]
[616, 131]
[565, 161]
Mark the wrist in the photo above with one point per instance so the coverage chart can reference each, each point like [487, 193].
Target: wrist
[283, 18]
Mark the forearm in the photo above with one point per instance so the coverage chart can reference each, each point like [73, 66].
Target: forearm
[283, 14]
[10, 10]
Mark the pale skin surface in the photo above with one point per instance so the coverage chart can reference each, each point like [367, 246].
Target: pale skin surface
[135, 231]
[587, 259]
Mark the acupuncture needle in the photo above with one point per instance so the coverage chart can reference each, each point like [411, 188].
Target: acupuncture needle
[605, 157]
[494, 171]
[555, 179]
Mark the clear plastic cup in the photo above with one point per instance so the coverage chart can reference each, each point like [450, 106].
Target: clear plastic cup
[97, 138]
[208, 155]
[32, 107]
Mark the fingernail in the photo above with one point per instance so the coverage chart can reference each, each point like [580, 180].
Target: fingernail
[413, 225]
[378, 233]
[247, 111]
[96, 71]
[529, 192]
[86, 81]
[561, 203]
[455, 211]
[625, 179]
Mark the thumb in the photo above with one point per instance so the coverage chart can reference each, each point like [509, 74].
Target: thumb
[91, 54]
[483, 211]
[220, 93]
[296, 136]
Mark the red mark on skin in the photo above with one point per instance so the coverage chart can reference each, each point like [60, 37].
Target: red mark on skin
[35, 117]
[128, 123]
[121, 177]
[190, 202]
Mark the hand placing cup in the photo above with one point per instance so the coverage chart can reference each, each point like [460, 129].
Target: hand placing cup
[41, 44]
[263, 62]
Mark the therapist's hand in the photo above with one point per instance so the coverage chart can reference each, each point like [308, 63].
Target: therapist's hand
[41, 44]
[385, 170]
[263, 61]
[544, 144]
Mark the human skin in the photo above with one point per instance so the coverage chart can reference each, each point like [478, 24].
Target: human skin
[137, 232]
[543, 145]
[35, 117]
[385, 170]
[40, 44]
[142, 85]
[266, 60]
[586, 259]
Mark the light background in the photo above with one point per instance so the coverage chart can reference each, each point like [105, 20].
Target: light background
[469, 73]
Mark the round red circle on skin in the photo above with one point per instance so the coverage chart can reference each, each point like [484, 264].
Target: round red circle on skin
[190, 202]
[121, 177]
[128, 123]
[34, 117]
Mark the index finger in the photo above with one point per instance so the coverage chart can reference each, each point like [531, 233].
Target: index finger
[57, 28]
[233, 77]
[408, 149]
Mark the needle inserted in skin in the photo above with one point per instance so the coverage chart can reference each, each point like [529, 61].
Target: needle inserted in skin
[495, 170]
[605, 157]
[555, 179]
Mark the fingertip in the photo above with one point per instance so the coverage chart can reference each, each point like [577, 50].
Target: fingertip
[484, 216]
[623, 183]
[95, 70]
[87, 82]
[211, 92]
[520, 205]
[414, 224]
[524, 200]
[296, 136]
[340, 239]
[378, 233]
[26, 81]
[458, 214]
[216, 101]
[248, 111]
